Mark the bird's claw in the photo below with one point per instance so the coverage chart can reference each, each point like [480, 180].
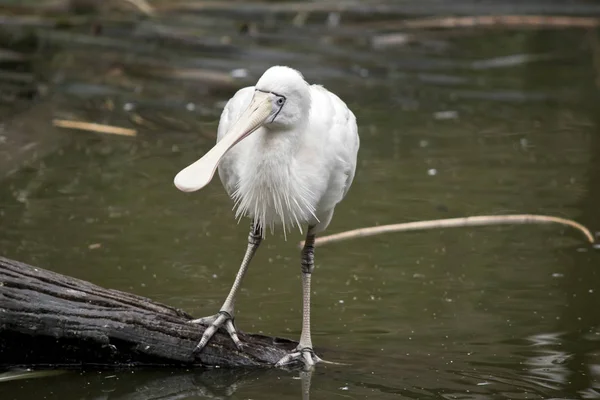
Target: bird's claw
[213, 323]
[304, 355]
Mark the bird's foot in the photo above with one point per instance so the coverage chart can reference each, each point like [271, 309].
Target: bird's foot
[213, 323]
[304, 355]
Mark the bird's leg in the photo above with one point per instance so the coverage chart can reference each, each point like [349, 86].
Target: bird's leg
[304, 352]
[225, 315]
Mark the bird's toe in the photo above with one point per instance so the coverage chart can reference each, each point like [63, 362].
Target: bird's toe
[204, 320]
[233, 333]
[221, 320]
[305, 356]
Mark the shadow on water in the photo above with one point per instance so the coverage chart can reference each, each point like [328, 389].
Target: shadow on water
[484, 121]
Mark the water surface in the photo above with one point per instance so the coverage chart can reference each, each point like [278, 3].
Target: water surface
[481, 313]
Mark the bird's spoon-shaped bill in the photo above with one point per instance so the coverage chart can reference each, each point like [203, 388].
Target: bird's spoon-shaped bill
[199, 174]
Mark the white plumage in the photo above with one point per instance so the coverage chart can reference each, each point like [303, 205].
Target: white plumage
[286, 154]
[294, 177]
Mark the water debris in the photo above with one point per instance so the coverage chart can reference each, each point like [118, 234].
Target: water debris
[480, 220]
[386, 40]
[142, 6]
[444, 115]
[513, 60]
[99, 7]
[95, 246]
[515, 21]
[239, 73]
[28, 374]
[191, 74]
[93, 127]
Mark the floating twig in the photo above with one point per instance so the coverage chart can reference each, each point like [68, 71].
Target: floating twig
[92, 127]
[454, 223]
[192, 74]
[536, 21]
[143, 6]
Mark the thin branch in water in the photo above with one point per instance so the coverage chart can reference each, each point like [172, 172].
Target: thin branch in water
[143, 6]
[92, 127]
[480, 220]
[535, 21]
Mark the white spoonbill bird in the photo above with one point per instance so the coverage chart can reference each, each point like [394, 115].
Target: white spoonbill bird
[286, 154]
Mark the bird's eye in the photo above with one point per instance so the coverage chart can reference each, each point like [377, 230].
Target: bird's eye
[280, 101]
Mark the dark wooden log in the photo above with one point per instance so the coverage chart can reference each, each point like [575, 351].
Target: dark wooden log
[52, 320]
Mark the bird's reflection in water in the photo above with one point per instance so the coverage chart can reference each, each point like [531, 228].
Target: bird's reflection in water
[213, 384]
[157, 384]
[305, 378]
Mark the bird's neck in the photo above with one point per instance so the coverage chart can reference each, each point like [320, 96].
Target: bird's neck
[276, 143]
[269, 188]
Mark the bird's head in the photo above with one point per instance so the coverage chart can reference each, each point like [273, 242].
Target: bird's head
[288, 95]
[281, 101]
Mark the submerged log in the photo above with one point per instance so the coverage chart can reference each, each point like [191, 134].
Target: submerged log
[52, 320]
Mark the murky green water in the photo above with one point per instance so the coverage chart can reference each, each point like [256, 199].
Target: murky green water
[499, 312]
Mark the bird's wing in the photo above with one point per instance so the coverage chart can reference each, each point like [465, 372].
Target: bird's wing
[338, 126]
[231, 113]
